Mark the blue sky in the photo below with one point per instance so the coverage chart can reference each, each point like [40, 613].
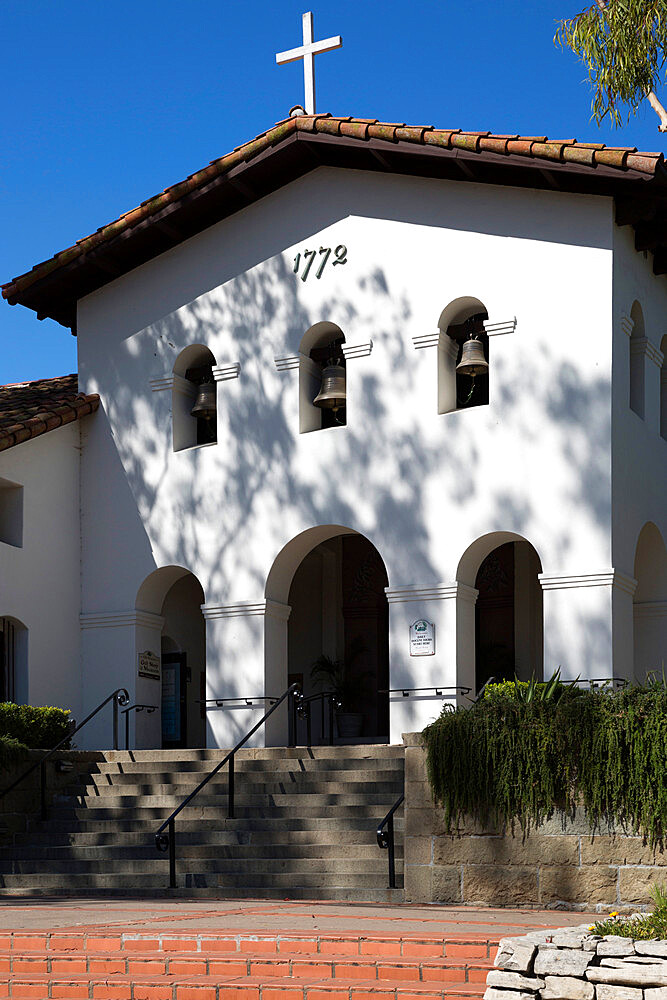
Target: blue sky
[104, 104]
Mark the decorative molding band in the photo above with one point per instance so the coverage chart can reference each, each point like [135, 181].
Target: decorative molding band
[120, 619]
[245, 609]
[357, 350]
[607, 578]
[498, 329]
[436, 592]
[162, 382]
[642, 345]
[184, 386]
[426, 340]
[627, 325]
[222, 373]
[286, 364]
[650, 609]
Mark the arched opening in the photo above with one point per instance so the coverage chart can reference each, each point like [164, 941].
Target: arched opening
[637, 360]
[508, 627]
[462, 318]
[321, 346]
[175, 595]
[333, 580]
[663, 388]
[650, 603]
[194, 369]
[13, 661]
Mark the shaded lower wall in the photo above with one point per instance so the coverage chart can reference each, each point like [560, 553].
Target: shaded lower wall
[560, 864]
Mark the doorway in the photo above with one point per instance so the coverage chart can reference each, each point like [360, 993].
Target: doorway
[508, 615]
[339, 616]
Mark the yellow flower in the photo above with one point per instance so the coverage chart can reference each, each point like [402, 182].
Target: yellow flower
[613, 913]
[592, 927]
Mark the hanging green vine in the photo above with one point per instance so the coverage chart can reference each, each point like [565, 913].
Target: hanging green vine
[514, 758]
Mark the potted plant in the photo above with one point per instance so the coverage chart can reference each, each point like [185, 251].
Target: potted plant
[336, 676]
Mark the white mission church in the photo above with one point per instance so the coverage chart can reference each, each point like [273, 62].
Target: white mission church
[277, 448]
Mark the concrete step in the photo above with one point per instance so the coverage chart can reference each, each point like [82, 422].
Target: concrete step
[348, 783]
[142, 881]
[191, 891]
[242, 800]
[212, 847]
[368, 752]
[188, 822]
[215, 836]
[101, 813]
[203, 862]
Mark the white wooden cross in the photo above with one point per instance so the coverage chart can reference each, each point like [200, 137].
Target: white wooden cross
[307, 52]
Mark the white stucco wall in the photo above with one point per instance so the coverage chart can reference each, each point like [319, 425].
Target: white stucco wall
[639, 452]
[39, 581]
[423, 487]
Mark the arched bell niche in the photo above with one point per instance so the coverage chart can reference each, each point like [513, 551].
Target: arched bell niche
[462, 318]
[332, 580]
[193, 368]
[320, 345]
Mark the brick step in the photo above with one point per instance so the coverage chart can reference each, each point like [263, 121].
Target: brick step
[286, 965]
[212, 988]
[457, 947]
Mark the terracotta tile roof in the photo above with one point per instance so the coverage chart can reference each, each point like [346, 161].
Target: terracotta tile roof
[28, 409]
[603, 164]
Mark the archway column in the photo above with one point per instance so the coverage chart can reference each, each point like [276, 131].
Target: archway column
[110, 643]
[246, 657]
[588, 624]
[442, 604]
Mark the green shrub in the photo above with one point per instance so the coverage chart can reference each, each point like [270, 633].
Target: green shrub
[640, 926]
[510, 759]
[37, 728]
[10, 751]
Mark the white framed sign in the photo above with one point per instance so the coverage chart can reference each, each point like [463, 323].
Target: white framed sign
[422, 638]
[148, 665]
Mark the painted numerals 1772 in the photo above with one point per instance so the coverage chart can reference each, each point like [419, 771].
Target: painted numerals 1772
[340, 257]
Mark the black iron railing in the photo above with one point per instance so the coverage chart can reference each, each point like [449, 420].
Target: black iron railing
[302, 709]
[437, 691]
[386, 839]
[240, 702]
[117, 697]
[167, 841]
[135, 708]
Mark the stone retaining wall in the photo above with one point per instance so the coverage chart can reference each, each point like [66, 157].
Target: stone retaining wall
[559, 864]
[572, 964]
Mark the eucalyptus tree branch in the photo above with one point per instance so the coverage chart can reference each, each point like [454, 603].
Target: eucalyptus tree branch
[624, 45]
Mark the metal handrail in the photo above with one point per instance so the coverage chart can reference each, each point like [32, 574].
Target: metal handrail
[134, 708]
[301, 707]
[242, 701]
[386, 839]
[438, 688]
[119, 697]
[167, 841]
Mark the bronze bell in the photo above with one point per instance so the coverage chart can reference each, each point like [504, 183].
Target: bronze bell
[205, 402]
[472, 360]
[332, 391]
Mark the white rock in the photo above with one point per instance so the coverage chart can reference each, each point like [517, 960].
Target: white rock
[563, 962]
[658, 994]
[569, 938]
[493, 994]
[605, 992]
[632, 974]
[651, 948]
[517, 958]
[616, 947]
[567, 988]
[513, 980]
[621, 963]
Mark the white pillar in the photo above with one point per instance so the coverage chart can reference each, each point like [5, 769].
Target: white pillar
[587, 621]
[246, 658]
[110, 642]
[437, 603]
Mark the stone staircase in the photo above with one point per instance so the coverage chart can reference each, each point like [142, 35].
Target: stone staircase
[304, 827]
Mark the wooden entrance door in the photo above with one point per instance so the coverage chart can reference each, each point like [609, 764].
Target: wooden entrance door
[174, 700]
